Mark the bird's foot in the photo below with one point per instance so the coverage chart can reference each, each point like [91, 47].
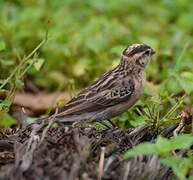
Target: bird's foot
[111, 122]
[111, 126]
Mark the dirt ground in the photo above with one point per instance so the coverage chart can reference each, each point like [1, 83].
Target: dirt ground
[49, 151]
[71, 152]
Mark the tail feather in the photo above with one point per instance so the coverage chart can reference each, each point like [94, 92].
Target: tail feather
[46, 121]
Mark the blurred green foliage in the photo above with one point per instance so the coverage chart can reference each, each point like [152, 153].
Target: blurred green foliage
[87, 37]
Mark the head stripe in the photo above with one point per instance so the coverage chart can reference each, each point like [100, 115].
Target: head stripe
[135, 50]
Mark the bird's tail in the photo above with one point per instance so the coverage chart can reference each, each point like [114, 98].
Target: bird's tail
[52, 118]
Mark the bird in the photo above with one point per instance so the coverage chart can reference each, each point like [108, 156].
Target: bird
[113, 93]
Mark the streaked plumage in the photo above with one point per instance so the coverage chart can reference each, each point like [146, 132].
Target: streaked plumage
[112, 94]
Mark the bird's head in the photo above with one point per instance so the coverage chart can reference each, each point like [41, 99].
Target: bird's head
[138, 54]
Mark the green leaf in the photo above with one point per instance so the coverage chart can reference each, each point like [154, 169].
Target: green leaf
[7, 62]
[6, 120]
[19, 82]
[182, 141]
[163, 145]
[137, 121]
[5, 104]
[180, 166]
[39, 63]
[141, 149]
[2, 45]
[2, 90]
[186, 81]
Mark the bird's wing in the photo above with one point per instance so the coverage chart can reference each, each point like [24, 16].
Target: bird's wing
[93, 99]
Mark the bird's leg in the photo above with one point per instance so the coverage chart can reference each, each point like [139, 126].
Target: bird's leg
[111, 123]
[107, 125]
[104, 124]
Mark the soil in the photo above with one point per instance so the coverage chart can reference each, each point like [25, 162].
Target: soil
[71, 152]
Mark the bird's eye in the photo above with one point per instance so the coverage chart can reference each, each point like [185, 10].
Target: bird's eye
[147, 52]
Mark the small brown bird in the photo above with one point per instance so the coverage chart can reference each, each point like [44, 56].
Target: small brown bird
[112, 94]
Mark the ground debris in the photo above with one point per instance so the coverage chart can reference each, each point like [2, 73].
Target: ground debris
[75, 152]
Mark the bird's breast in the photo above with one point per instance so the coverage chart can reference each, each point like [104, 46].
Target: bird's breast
[123, 107]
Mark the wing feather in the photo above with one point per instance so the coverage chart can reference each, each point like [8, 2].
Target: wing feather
[90, 99]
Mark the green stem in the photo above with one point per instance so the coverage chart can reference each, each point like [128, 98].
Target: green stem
[24, 59]
[171, 111]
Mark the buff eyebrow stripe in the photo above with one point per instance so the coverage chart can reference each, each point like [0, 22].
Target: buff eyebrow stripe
[136, 50]
[125, 52]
